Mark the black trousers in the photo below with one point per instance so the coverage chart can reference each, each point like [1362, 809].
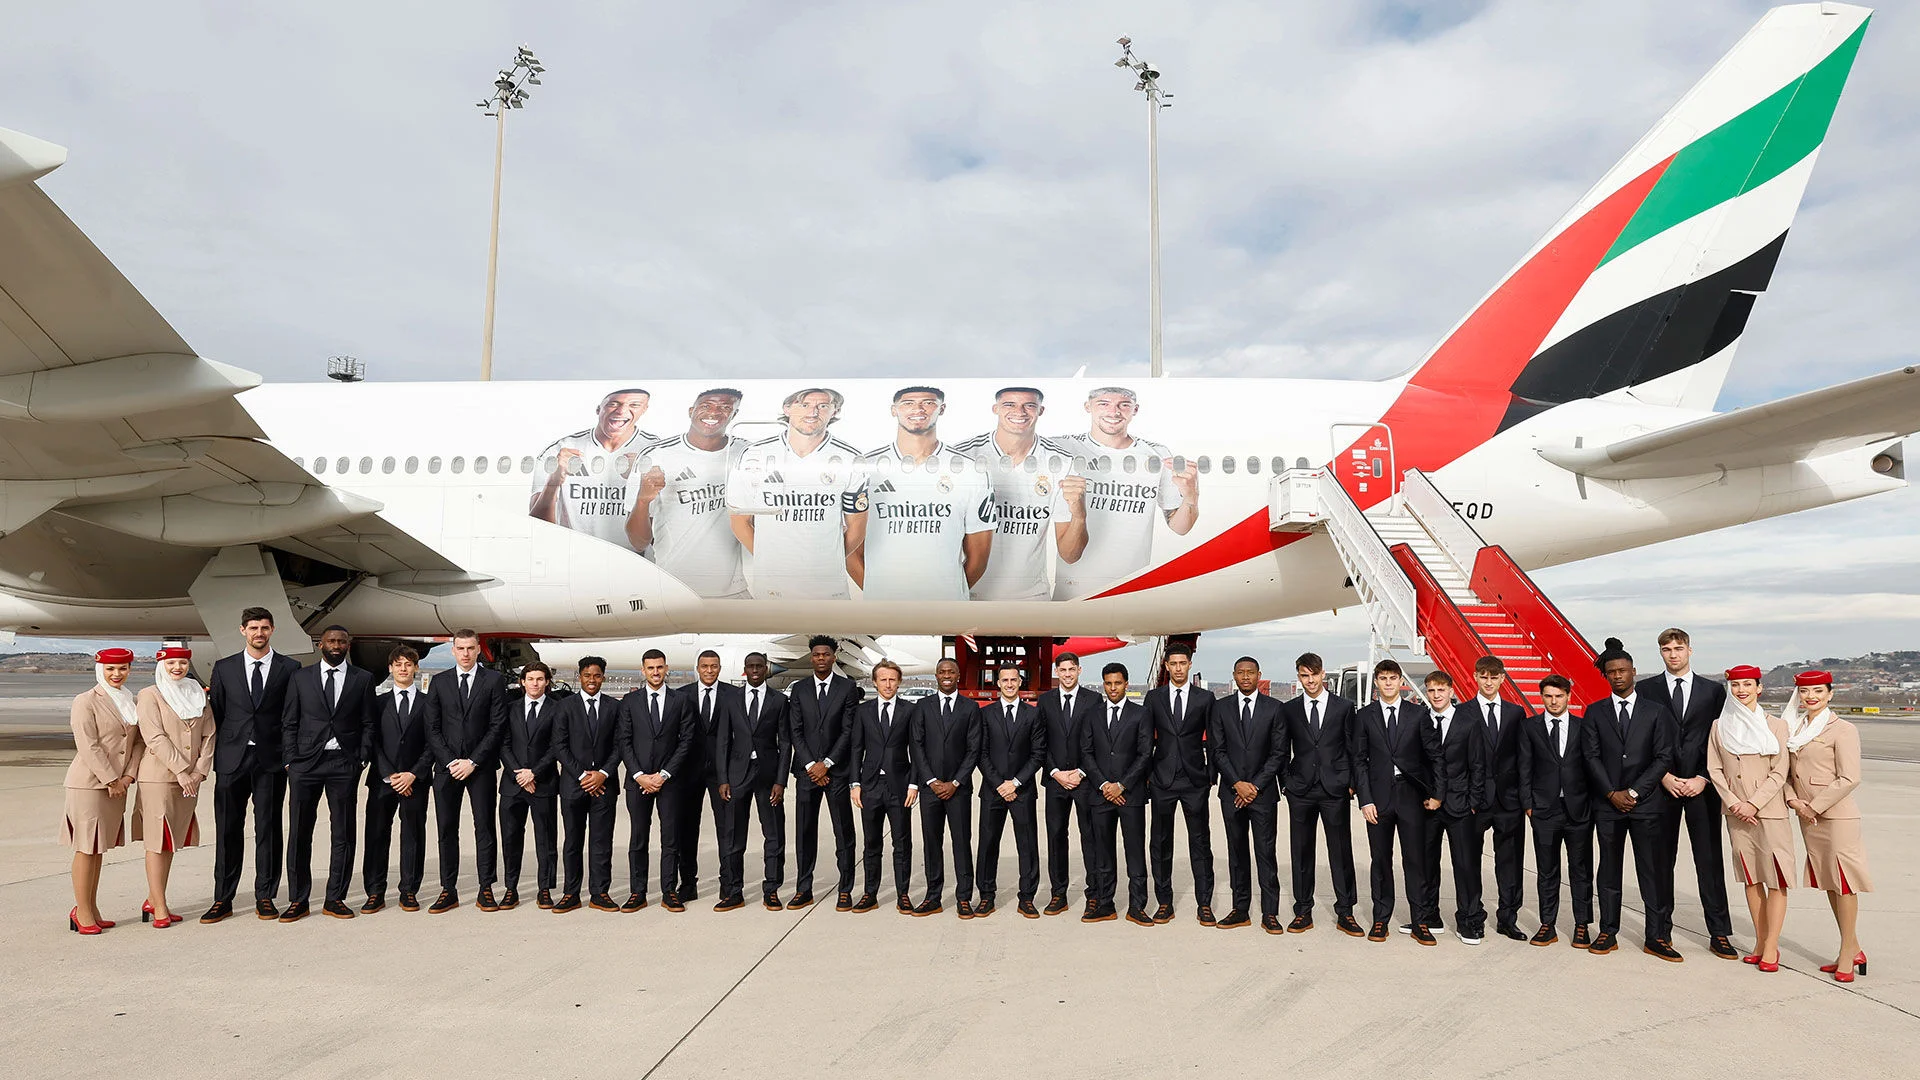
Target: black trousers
[691, 811]
[994, 812]
[515, 807]
[1258, 820]
[1194, 806]
[1064, 810]
[590, 825]
[757, 798]
[382, 804]
[1613, 830]
[807, 798]
[1462, 835]
[264, 783]
[1335, 818]
[1705, 826]
[939, 818]
[1509, 828]
[1103, 867]
[336, 780]
[1553, 833]
[642, 808]
[882, 811]
[481, 785]
[1401, 815]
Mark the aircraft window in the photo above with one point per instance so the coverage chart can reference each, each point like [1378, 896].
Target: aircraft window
[526, 465]
[1379, 468]
[300, 461]
[1129, 463]
[1032, 464]
[1227, 462]
[479, 464]
[599, 464]
[1103, 463]
[457, 465]
[1055, 463]
[340, 464]
[1279, 464]
[1006, 461]
[319, 465]
[1205, 463]
[413, 465]
[1302, 463]
[550, 464]
[1179, 463]
[505, 464]
[835, 461]
[386, 465]
[1153, 463]
[1253, 465]
[433, 465]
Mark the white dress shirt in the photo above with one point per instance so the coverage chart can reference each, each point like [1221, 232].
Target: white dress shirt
[820, 686]
[592, 703]
[266, 669]
[894, 717]
[1066, 696]
[949, 704]
[1008, 708]
[339, 687]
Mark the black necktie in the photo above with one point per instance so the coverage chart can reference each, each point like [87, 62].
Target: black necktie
[946, 710]
[1313, 718]
[533, 713]
[1493, 719]
[1679, 699]
[466, 688]
[886, 719]
[258, 687]
[1113, 717]
[1553, 733]
[753, 708]
[706, 707]
[1621, 706]
[1066, 706]
[1179, 710]
[1390, 722]
[332, 700]
[653, 710]
[1009, 719]
[821, 696]
[593, 718]
[403, 708]
[1246, 716]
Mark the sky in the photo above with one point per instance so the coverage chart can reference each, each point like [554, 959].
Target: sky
[750, 189]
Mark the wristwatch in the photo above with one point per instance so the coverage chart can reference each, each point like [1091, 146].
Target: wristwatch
[1634, 794]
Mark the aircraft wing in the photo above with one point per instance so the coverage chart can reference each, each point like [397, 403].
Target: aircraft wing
[121, 446]
[1820, 422]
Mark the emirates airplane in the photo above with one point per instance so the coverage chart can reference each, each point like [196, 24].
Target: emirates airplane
[146, 491]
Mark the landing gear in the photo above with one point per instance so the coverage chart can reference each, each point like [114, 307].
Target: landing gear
[981, 659]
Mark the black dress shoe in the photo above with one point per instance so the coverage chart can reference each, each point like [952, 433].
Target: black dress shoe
[1163, 913]
[800, 900]
[904, 906]
[337, 909]
[1664, 950]
[980, 910]
[1300, 924]
[930, 906]
[266, 909]
[602, 902]
[1379, 931]
[1235, 920]
[771, 902]
[867, 903]
[447, 902]
[635, 902]
[373, 904]
[686, 892]
[545, 899]
[845, 903]
[1580, 940]
[1723, 949]
[1603, 943]
[1057, 905]
[1027, 910]
[1271, 924]
[1544, 936]
[508, 899]
[1349, 927]
[567, 903]
[1205, 916]
[1511, 931]
[964, 908]
[730, 903]
[1100, 912]
[409, 902]
[221, 909]
[1139, 917]
[295, 911]
[671, 901]
[485, 901]
[1422, 935]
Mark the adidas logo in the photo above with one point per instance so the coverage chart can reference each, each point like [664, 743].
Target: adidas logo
[884, 485]
[774, 477]
[685, 475]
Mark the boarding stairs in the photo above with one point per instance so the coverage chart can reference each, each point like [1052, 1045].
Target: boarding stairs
[1434, 590]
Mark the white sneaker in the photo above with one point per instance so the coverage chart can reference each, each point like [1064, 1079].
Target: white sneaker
[1465, 940]
[1406, 928]
[1438, 931]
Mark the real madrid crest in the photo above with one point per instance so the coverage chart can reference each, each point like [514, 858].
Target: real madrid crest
[1041, 486]
[827, 477]
[946, 484]
[860, 503]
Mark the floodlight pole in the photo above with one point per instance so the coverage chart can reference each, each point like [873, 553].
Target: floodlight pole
[1149, 84]
[493, 245]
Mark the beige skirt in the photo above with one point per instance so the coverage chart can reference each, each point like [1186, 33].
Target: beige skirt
[1762, 852]
[94, 821]
[164, 818]
[1836, 856]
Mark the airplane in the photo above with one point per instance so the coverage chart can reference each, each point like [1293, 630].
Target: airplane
[148, 491]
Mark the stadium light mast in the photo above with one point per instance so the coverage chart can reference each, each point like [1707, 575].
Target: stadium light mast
[509, 92]
[1148, 83]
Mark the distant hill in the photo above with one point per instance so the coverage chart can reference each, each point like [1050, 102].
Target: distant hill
[1889, 677]
[47, 663]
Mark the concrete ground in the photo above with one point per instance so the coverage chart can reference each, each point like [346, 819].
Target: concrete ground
[652, 994]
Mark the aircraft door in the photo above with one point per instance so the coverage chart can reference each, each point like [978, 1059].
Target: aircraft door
[1363, 461]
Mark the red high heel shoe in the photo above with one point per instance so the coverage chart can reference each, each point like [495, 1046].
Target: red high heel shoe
[1859, 967]
[1753, 959]
[1768, 966]
[160, 922]
[74, 924]
[146, 911]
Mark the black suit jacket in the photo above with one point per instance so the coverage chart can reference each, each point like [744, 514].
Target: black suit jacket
[307, 721]
[883, 758]
[472, 731]
[1553, 784]
[236, 719]
[1179, 742]
[1705, 700]
[1633, 760]
[946, 750]
[1120, 753]
[1461, 770]
[393, 747]
[1010, 753]
[1253, 754]
[823, 734]
[1319, 767]
[1063, 737]
[729, 709]
[1502, 753]
[765, 737]
[646, 751]
[580, 750]
[1413, 748]
[530, 746]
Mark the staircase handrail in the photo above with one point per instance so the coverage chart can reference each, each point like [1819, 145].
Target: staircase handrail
[1384, 576]
[1457, 539]
[1454, 644]
[1498, 580]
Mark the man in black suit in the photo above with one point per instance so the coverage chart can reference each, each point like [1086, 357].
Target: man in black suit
[1319, 784]
[1013, 743]
[1116, 746]
[1501, 722]
[883, 787]
[466, 720]
[248, 692]
[1460, 779]
[657, 729]
[1249, 752]
[530, 784]
[822, 722]
[717, 705]
[399, 775]
[1180, 783]
[1553, 791]
[1629, 748]
[946, 748]
[1695, 702]
[1062, 710]
[758, 754]
[328, 710]
[585, 734]
[1395, 747]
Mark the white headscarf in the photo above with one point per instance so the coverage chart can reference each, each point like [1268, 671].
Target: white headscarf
[121, 697]
[184, 695]
[1802, 729]
[1744, 731]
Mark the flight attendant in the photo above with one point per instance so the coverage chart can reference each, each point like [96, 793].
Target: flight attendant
[1747, 762]
[1822, 773]
[106, 762]
[177, 727]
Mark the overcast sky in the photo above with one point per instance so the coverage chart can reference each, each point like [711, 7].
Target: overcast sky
[754, 189]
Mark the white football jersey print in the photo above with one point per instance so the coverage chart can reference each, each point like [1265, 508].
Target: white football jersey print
[1127, 491]
[1027, 505]
[593, 497]
[799, 529]
[692, 534]
[917, 518]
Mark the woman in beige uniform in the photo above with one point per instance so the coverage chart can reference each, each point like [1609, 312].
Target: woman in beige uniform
[1825, 769]
[106, 761]
[1747, 761]
[178, 728]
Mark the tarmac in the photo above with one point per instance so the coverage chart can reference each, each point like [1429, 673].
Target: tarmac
[750, 992]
